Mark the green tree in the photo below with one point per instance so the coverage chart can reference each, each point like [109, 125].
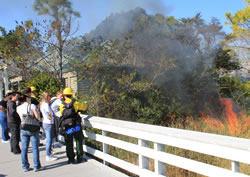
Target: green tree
[225, 61]
[43, 82]
[239, 39]
[233, 87]
[60, 28]
[19, 48]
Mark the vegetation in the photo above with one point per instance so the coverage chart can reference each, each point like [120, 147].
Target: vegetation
[143, 68]
[43, 82]
[59, 29]
[239, 38]
[154, 71]
[20, 49]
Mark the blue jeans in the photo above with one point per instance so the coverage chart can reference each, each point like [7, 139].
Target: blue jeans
[3, 123]
[50, 136]
[26, 137]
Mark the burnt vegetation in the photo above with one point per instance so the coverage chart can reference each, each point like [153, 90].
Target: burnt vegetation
[147, 68]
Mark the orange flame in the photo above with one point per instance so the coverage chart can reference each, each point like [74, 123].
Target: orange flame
[173, 116]
[213, 124]
[246, 122]
[234, 125]
[231, 117]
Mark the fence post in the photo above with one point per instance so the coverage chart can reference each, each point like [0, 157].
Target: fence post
[235, 166]
[160, 167]
[143, 161]
[105, 147]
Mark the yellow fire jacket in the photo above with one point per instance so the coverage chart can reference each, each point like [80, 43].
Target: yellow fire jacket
[77, 106]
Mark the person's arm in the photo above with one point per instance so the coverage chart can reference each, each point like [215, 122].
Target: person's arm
[12, 112]
[49, 111]
[36, 113]
[7, 98]
[46, 111]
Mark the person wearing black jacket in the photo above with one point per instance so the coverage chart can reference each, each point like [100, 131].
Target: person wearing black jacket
[14, 121]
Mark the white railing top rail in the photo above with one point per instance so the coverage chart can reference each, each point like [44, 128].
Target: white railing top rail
[232, 148]
[220, 140]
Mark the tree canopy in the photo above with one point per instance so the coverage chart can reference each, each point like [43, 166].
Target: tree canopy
[59, 29]
[239, 39]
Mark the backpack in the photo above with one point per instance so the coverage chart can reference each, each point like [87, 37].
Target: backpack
[69, 116]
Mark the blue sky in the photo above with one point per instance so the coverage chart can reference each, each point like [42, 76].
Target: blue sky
[94, 11]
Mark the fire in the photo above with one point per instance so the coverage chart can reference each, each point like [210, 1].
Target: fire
[233, 123]
[173, 116]
[213, 124]
[246, 122]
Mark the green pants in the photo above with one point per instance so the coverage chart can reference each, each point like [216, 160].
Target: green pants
[70, 146]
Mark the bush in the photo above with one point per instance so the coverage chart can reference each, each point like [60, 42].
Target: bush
[233, 87]
[44, 82]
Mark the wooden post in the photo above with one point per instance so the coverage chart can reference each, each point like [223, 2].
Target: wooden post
[160, 167]
[105, 147]
[143, 161]
[235, 166]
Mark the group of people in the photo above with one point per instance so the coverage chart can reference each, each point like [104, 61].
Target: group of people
[54, 113]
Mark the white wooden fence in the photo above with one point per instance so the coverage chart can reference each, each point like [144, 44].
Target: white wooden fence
[235, 149]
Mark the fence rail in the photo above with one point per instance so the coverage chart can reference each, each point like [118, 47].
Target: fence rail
[235, 149]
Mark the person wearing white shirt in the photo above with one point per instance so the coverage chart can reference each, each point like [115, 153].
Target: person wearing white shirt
[48, 124]
[27, 135]
[55, 103]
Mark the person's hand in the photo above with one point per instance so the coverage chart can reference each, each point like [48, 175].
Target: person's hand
[50, 116]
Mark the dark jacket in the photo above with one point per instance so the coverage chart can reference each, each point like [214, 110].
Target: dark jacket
[3, 104]
[13, 118]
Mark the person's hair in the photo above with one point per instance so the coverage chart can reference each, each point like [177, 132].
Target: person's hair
[14, 94]
[23, 98]
[27, 90]
[44, 98]
[59, 92]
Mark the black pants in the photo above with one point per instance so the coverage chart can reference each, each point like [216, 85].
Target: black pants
[14, 139]
[70, 146]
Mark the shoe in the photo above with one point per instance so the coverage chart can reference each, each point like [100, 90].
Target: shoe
[41, 144]
[16, 153]
[7, 141]
[39, 169]
[51, 158]
[57, 145]
[71, 161]
[54, 156]
[81, 160]
[27, 169]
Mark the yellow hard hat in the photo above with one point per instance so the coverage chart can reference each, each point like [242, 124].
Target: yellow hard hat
[67, 91]
[33, 88]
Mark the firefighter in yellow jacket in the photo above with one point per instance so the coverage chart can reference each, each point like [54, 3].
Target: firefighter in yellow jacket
[70, 121]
